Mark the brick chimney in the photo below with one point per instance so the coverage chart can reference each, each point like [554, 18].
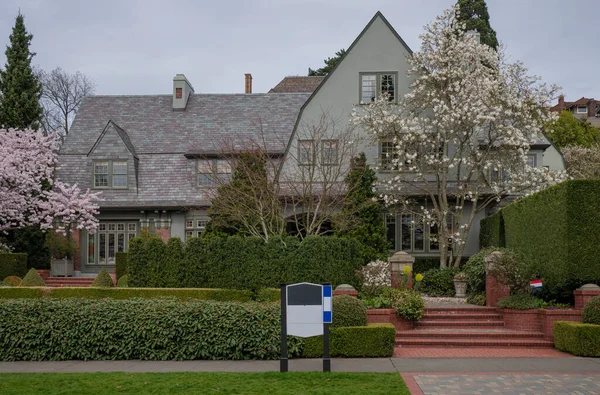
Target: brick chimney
[561, 102]
[248, 83]
[591, 106]
[182, 89]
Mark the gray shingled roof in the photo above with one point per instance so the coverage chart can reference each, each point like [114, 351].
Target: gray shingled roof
[149, 130]
[297, 84]
[154, 127]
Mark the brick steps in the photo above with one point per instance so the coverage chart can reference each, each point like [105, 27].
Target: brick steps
[445, 334]
[465, 324]
[69, 281]
[466, 327]
[474, 342]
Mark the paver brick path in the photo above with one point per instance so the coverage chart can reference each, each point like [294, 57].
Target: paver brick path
[478, 352]
[434, 384]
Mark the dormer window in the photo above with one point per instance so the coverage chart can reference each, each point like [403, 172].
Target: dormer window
[110, 174]
[581, 109]
[373, 85]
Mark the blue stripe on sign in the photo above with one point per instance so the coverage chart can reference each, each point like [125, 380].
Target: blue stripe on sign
[326, 290]
[327, 317]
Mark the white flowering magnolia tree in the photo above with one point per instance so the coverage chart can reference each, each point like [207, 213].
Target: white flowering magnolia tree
[27, 162]
[460, 138]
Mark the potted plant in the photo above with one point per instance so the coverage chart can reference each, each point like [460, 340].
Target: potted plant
[460, 285]
[61, 247]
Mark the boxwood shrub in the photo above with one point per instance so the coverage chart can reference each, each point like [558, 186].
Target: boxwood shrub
[243, 263]
[521, 302]
[120, 264]
[13, 264]
[232, 295]
[577, 338]
[591, 311]
[157, 329]
[348, 311]
[439, 282]
[374, 340]
[32, 279]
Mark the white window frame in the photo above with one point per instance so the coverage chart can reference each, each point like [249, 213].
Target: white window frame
[378, 85]
[194, 226]
[579, 107]
[534, 157]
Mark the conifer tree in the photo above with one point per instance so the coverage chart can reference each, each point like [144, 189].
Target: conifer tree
[361, 218]
[474, 14]
[20, 87]
[329, 65]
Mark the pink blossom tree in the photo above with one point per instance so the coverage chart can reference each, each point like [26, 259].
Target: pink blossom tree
[27, 162]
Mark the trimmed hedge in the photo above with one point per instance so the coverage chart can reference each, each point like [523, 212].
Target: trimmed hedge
[243, 263]
[12, 281]
[123, 281]
[268, 295]
[12, 264]
[556, 232]
[520, 302]
[103, 280]
[120, 264]
[373, 340]
[439, 282]
[225, 295]
[578, 339]
[348, 311]
[422, 265]
[591, 311]
[22, 292]
[157, 329]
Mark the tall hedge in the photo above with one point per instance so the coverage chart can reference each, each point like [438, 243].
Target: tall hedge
[120, 264]
[491, 232]
[557, 232]
[243, 263]
[12, 264]
[147, 329]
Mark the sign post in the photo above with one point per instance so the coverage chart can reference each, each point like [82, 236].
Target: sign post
[305, 311]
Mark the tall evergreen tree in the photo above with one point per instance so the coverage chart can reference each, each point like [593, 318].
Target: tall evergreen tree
[329, 65]
[20, 87]
[361, 218]
[475, 14]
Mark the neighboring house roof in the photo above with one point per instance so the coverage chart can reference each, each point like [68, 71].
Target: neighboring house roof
[153, 127]
[584, 101]
[297, 84]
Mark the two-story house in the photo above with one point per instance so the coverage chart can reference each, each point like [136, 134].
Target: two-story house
[155, 157]
[583, 108]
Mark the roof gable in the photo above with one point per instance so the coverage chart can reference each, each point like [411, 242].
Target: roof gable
[119, 132]
[298, 84]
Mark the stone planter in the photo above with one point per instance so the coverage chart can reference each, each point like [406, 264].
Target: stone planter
[62, 267]
[460, 287]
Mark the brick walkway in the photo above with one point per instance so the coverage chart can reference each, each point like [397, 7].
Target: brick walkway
[502, 383]
[478, 352]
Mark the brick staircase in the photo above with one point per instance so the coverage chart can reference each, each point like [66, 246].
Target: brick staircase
[69, 281]
[467, 327]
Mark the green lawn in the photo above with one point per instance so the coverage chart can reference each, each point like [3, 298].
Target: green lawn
[202, 383]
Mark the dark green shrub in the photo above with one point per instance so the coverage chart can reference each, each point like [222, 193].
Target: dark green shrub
[577, 338]
[556, 232]
[512, 271]
[439, 282]
[374, 340]
[521, 302]
[146, 329]
[120, 264]
[32, 279]
[12, 264]
[245, 263]
[348, 311]
[123, 281]
[475, 270]
[268, 295]
[22, 292]
[477, 299]
[103, 279]
[12, 281]
[174, 264]
[422, 265]
[491, 231]
[30, 241]
[591, 311]
[409, 304]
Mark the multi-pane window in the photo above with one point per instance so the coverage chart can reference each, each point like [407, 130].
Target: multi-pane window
[531, 160]
[375, 84]
[194, 227]
[387, 155]
[305, 152]
[408, 232]
[329, 152]
[581, 109]
[213, 172]
[111, 237]
[390, 224]
[110, 174]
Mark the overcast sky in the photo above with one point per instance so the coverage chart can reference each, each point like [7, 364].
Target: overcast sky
[136, 47]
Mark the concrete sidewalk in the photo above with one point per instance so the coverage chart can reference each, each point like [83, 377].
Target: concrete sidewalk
[400, 365]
